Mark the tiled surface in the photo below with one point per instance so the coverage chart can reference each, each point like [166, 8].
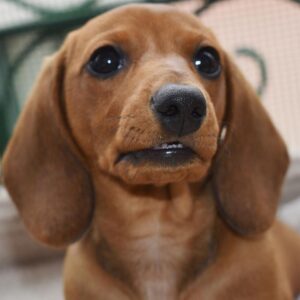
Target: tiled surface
[271, 28]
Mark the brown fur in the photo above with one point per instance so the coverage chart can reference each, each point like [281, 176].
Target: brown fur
[203, 230]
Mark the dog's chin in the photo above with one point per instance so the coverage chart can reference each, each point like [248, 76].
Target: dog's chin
[161, 165]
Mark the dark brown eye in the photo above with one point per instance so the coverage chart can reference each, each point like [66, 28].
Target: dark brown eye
[207, 62]
[105, 62]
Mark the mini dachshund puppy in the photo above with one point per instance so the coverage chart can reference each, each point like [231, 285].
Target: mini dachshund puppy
[144, 147]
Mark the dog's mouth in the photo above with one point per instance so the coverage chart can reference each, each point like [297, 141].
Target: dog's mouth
[166, 154]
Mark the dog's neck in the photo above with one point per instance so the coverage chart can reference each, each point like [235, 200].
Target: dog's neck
[153, 239]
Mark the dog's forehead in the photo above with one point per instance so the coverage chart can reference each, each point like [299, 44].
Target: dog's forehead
[145, 19]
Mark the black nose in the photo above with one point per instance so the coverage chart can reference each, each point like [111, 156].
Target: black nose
[179, 108]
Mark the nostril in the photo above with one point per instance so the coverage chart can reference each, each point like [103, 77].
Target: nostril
[170, 111]
[198, 112]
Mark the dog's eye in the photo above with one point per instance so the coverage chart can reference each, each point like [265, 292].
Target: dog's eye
[105, 62]
[207, 62]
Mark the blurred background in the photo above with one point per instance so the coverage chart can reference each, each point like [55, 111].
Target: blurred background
[262, 36]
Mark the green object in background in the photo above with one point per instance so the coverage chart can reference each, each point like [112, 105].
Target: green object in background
[26, 39]
[24, 45]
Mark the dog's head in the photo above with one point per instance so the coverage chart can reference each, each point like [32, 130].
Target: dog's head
[147, 95]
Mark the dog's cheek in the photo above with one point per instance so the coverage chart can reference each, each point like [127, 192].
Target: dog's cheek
[217, 92]
[198, 173]
[92, 117]
[206, 141]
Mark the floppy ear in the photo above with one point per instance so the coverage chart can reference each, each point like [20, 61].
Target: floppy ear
[42, 167]
[252, 161]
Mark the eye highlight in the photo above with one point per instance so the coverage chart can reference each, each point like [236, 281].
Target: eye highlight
[207, 62]
[105, 62]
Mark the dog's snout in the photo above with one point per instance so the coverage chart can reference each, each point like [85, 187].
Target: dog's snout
[179, 108]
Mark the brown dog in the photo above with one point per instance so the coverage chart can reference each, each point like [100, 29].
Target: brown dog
[143, 141]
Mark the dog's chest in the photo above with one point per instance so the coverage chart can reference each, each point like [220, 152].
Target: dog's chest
[157, 263]
[156, 269]
[159, 242]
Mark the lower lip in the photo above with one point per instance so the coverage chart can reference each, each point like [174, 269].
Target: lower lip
[163, 157]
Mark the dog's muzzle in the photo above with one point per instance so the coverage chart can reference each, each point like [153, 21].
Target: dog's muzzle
[180, 109]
